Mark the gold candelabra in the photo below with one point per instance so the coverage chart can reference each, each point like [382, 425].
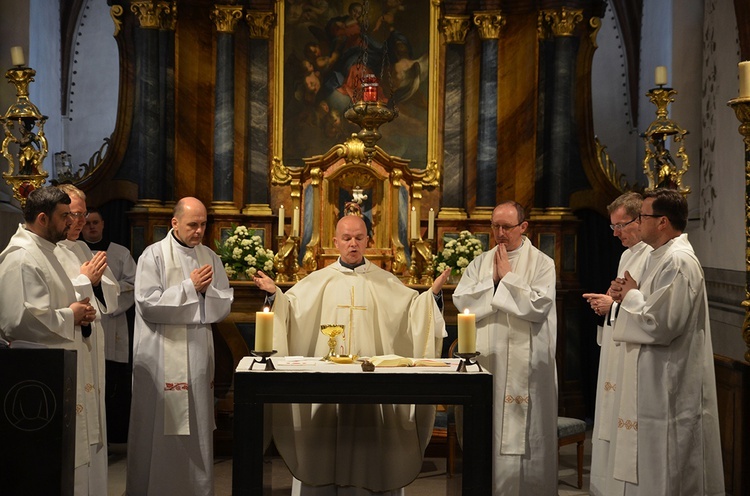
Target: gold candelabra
[741, 108]
[660, 168]
[422, 262]
[285, 261]
[23, 125]
[369, 116]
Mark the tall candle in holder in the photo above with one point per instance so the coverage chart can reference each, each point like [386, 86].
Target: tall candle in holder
[413, 230]
[744, 68]
[660, 75]
[295, 222]
[16, 56]
[467, 332]
[431, 224]
[281, 221]
[264, 330]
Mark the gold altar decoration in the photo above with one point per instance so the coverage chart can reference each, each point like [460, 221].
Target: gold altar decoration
[741, 108]
[560, 22]
[285, 262]
[658, 165]
[331, 330]
[369, 116]
[422, 264]
[259, 23]
[340, 171]
[155, 15]
[455, 28]
[225, 17]
[489, 23]
[23, 126]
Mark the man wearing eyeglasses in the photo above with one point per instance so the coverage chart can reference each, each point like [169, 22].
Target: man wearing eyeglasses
[511, 289]
[92, 278]
[623, 213]
[667, 438]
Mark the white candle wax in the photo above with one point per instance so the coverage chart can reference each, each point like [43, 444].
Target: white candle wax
[660, 75]
[467, 332]
[431, 225]
[413, 232]
[281, 221]
[264, 330]
[744, 68]
[16, 56]
[295, 222]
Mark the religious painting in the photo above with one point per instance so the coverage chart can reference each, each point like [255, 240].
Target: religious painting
[327, 49]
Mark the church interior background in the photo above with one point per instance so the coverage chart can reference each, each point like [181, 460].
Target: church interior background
[247, 105]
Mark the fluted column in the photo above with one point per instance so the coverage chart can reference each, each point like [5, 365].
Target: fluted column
[453, 200]
[561, 24]
[257, 182]
[225, 18]
[147, 128]
[489, 24]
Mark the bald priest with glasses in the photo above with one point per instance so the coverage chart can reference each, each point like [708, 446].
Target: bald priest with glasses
[511, 289]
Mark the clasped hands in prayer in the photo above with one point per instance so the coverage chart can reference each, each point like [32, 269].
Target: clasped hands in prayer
[83, 313]
[94, 268]
[202, 277]
[601, 303]
[501, 264]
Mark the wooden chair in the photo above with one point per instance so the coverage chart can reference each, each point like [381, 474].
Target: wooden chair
[572, 430]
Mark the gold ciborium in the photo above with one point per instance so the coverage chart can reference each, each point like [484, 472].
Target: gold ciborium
[331, 330]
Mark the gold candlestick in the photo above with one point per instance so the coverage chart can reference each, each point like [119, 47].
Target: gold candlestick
[741, 108]
[422, 265]
[285, 261]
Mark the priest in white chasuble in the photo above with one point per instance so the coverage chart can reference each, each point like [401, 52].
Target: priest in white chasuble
[667, 438]
[511, 290]
[92, 279]
[623, 215]
[40, 304]
[354, 449]
[181, 288]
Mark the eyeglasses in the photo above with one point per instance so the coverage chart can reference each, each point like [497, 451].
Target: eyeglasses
[78, 215]
[615, 227]
[497, 227]
[650, 215]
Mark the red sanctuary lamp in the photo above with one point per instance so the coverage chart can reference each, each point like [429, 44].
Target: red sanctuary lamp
[369, 88]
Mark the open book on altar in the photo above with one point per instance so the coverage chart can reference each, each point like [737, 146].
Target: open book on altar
[399, 361]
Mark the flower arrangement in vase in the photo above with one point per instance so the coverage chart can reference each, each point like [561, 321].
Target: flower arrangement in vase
[243, 254]
[457, 253]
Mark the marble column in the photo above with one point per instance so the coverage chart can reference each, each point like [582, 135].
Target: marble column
[147, 105]
[257, 181]
[453, 201]
[225, 17]
[167, 110]
[489, 24]
[561, 133]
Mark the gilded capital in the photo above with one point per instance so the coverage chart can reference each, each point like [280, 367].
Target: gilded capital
[169, 16]
[596, 24]
[260, 23]
[560, 22]
[225, 17]
[489, 23]
[454, 28]
[150, 13]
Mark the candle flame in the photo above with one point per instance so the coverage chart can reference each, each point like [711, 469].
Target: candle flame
[266, 309]
[466, 311]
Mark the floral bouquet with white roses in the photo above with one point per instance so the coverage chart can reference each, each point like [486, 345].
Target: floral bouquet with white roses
[457, 253]
[243, 254]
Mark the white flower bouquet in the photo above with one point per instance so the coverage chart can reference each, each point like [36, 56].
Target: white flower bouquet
[243, 254]
[457, 253]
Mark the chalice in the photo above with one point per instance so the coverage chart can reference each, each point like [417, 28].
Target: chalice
[331, 330]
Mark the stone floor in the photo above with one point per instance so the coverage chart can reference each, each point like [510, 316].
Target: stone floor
[432, 481]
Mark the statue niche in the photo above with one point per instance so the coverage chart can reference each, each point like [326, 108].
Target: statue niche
[383, 189]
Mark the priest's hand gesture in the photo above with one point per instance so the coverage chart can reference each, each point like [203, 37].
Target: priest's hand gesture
[600, 303]
[202, 277]
[94, 268]
[264, 282]
[83, 313]
[437, 284]
[501, 264]
[621, 286]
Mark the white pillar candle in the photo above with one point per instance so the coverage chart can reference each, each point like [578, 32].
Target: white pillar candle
[413, 231]
[660, 75]
[467, 332]
[281, 221]
[264, 330]
[295, 222]
[744, 79]
[16, 56]
[431, 225]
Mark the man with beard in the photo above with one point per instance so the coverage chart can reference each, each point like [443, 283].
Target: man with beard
[511, 289]
[39, 301]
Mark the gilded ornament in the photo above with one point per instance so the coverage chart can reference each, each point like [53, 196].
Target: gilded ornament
[115, 12]
[561, 22]
[489, 24]
[260, 23]
[225, 17]
[455, 28]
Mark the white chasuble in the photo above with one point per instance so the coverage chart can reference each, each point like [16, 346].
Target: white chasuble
[371, 447]
[517, 336]
[632, 260]
[667, 440]
[161, 463]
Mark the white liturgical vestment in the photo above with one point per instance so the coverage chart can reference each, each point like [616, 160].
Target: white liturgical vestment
[667, 439]
[516, 338]
[632, 260]
[162, 460]
[373, 447]
[35, 302]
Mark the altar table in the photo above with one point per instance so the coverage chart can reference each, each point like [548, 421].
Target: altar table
[312, 381]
